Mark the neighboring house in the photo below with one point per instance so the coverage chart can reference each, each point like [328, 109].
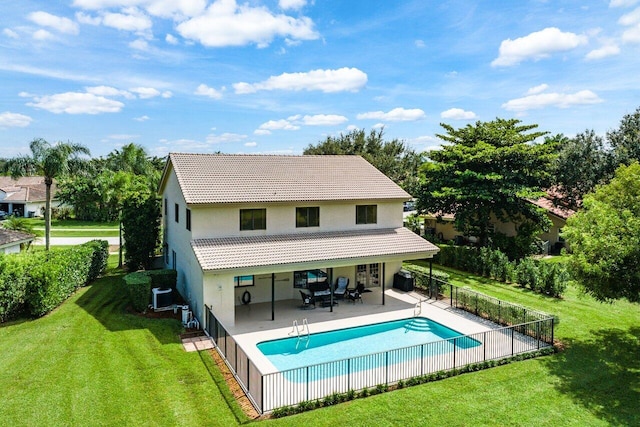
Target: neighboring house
[445, 229]
[25, 196]
[11, 241]
[271, 225]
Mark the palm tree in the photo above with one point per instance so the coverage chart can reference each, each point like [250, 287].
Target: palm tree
[50, 161]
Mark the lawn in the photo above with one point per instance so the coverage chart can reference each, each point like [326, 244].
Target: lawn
[75, 228]
[91, 363]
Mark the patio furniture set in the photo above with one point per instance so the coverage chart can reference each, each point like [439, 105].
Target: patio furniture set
[321, 293]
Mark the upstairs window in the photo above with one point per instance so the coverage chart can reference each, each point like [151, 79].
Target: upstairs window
[177, 212]
[253, 219]
[188, 219]
[366, 214]
[308, 217]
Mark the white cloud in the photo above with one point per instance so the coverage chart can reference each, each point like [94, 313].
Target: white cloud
[458, 114]
[225, 137]
[536, 46]
[632, 35]
[226, 24]
[109, 91]
[87, 19]
[342, 79]
[324, 120]
[76, 103]
[14, 120]
[603, 52]
[205, 90]
[146, 92]
[425, 142]
[622, 3]
[378, 126]
[10, 33]
[351, 128]
[537, 89]
[395, 115]
[133, 20]
[250, 144]
[167, 94]
[261, 132]
[139, 44]
[420, 44]
[278, 125]
[560, 100]
[42, 35]
[163, 8]
[631, 18]
[171, 39]
[292, 4]
[141, 118]
[63, 25]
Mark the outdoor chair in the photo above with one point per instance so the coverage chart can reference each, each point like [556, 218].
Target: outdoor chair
[307, 301]
[356, 295]
[341, 288]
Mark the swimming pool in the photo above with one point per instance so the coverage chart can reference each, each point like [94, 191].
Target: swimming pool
[354, 343]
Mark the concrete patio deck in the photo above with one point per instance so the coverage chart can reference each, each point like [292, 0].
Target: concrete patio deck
[254, 324]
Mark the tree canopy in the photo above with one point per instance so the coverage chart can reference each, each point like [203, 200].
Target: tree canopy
[393, 158]
[485, 169]
[625, 141]
[604, 237]
[51, 161]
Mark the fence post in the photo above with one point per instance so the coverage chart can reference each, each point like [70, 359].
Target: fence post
[552, 324]
[538, 334]
[348, 374]
[386, 368]
[512, 328]
[484, 346]
[422, 359]
[307, 383]
[454, 353]
[451, 295]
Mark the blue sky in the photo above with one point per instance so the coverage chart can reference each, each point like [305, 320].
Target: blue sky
[273, 76]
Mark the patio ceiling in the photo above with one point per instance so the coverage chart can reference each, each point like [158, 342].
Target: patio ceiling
[299, 250]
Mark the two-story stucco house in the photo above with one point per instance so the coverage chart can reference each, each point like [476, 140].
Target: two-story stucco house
[270, 225]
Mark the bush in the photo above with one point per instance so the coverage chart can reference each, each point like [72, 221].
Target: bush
[13, 286]
[99, 259]
[166, 278]
[138, 285]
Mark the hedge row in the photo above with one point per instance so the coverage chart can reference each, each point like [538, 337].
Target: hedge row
[336, 398]
[37, 282]
[139, 283]
[549, 279]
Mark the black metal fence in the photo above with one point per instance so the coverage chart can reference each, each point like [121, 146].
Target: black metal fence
[293, 386]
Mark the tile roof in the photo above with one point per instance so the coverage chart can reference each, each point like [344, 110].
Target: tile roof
[224, 178]
[547, 204]
[25, 189]
[11, 236]
[258, 251]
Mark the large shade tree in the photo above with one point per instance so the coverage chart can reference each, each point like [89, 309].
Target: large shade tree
[625, 140]
[393, 158]
[488, 169]
[52, 161]
[604, 237]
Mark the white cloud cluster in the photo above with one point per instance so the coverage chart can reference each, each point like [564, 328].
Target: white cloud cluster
[537, 45]
[603, 52]
[205, 90]
[340, 80]
[537, 100]
[622, 3]
[631, 20]
[60, 24]
[95, 99]
[10, 33]
[395, 115]
[295, 122]
[224, 23]
[292, 4]
[161, 8]
[128, 19]
[14, 120]
[458, 114]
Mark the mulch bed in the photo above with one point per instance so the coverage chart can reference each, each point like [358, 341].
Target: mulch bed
[235, 388]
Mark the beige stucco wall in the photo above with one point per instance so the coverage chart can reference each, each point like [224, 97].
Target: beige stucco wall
[13, 249]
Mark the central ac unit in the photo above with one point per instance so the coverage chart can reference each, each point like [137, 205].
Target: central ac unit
[162, 299]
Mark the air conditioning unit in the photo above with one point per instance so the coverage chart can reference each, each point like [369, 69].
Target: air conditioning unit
[162, 299]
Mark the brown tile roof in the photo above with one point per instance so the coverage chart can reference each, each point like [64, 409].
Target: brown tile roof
[11, 236]
[549, 206]
[258, 251]
[25, 189]
[223, 178]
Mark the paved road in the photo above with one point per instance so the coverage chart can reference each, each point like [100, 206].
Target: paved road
[62, 241]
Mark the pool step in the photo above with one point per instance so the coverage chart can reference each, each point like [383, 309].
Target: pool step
[418, 324]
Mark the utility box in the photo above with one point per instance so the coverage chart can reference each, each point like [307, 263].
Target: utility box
[403, 280]
[162, 299]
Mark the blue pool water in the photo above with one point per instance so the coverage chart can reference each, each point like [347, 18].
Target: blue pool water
[364, 340]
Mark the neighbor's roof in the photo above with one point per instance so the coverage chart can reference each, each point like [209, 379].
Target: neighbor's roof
[559, 211]
[8, 237]
[25, 189]
[223, 178]
[242, 252]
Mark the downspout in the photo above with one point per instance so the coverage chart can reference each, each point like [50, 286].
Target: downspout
[273, 296]
[384, 265]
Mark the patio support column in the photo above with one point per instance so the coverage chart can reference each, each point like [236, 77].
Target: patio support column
[431, 278]
[273, 296]
[330, 279]
[384, 265]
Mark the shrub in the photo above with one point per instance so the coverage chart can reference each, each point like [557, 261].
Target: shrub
[13, 286]
[165, 278]
[99, 258]
[138, 285]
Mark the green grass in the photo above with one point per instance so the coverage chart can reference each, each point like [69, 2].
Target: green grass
[90, 363]
[75, 228]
